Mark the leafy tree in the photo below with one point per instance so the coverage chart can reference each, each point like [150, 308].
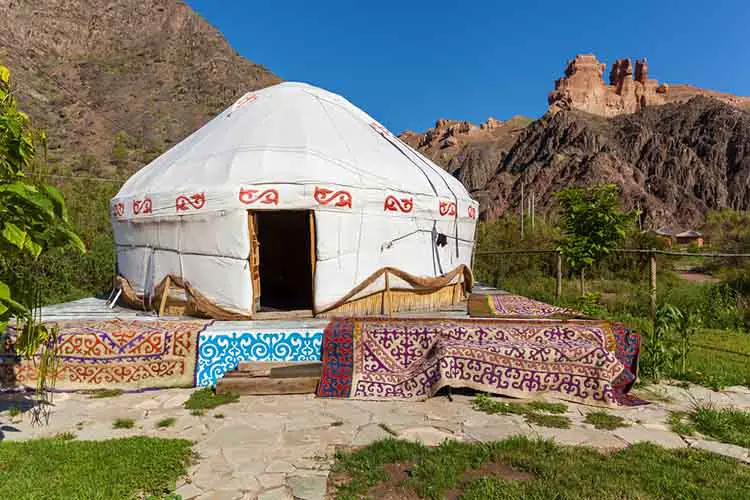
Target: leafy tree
[33, 217]
[592, 224]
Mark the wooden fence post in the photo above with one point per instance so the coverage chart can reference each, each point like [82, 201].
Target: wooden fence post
[558, 277]
[652, 284]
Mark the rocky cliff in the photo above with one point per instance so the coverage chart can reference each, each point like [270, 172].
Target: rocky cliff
[583, 87]
[674, 161]
[116, 82]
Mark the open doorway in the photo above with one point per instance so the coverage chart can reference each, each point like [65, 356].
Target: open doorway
[284, 275]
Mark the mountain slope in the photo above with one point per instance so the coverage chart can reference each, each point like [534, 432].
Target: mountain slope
[116, 82]
[674, 161]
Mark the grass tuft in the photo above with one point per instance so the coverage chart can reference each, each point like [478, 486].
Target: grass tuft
[61, 469]
[167, 422]
[554, 421]
[535, 412]
[679, 423]
[105, 393]
[64, 436]
[218, 415]
[207, 399]
[14, 411]
[197, 412]
[728, 425]
[123, 423]
[545, 407]
[604, 420]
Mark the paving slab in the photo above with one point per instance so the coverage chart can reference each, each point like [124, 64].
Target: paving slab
[638, 434]
[308, 487]
[428, 436]
[728, 450]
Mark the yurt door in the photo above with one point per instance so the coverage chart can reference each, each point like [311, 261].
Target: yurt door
[252, 222]
[282, 262]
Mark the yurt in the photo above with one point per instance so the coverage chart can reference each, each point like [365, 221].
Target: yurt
[294, 201]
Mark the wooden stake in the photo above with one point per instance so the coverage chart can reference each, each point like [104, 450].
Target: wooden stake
[558, 277]
[387, 296]
[522, 209]
[652, 287]
[164, 296]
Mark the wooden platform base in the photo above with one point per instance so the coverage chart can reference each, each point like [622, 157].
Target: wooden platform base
[263, 378]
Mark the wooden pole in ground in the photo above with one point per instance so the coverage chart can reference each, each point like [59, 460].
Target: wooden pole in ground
[652, 283]
[522, 209]
[558, 277]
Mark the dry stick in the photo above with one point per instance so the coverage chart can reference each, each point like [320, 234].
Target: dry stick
[558, 277]
[652, 287]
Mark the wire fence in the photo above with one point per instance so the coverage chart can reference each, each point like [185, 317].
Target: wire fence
[651, 253]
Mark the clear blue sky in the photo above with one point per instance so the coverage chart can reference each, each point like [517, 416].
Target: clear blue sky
[408, 63]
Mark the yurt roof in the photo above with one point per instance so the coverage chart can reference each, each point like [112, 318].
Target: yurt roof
[284, 145]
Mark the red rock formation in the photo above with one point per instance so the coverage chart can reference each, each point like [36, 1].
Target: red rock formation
[583, 87]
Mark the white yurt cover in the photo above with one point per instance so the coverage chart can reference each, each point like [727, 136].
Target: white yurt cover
[377, 202]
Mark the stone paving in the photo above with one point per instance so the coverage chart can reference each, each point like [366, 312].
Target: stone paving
[282, 447]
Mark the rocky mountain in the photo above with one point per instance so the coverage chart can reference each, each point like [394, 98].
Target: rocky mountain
[116, 82]
[677, 151]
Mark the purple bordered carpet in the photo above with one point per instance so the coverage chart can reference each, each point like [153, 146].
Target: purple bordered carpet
[590, 362]
[515, 306]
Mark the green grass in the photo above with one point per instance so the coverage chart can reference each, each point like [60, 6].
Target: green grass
[543, 406]
[197, 412]
[218, 415]
[642, 471]
[123, 423]
[604, 420]
[58, 469]
[207, 399]
[719, 358]
[65, 436]
[728, 425]
[167, 422]
[14, 411]
[678, 421]
[535, 412]
[105, 393]
[542, 420]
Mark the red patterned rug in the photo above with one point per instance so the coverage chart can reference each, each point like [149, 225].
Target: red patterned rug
[123, 354]
[515, 306]
[591, 362]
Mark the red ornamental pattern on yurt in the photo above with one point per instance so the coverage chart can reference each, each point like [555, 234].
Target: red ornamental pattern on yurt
[196, 201]
[472, 213]
[118, 209]
[266, 197]
[447, 208]
[394, 204]
[143, 206]
[325, 196]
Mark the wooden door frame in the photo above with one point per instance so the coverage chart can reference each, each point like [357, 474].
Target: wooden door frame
[253, 259]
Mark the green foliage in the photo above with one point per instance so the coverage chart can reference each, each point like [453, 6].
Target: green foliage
[64, 469]
[643, 471]
[33, 220]
[207, 399]
[592, 224]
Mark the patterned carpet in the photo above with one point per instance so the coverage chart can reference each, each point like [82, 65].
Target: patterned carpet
[515, 306]
[124, 354]
[591, 362]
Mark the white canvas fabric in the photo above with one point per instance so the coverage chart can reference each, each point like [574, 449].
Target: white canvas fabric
[377, 202]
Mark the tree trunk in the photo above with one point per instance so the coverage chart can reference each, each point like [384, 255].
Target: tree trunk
[583, 282]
